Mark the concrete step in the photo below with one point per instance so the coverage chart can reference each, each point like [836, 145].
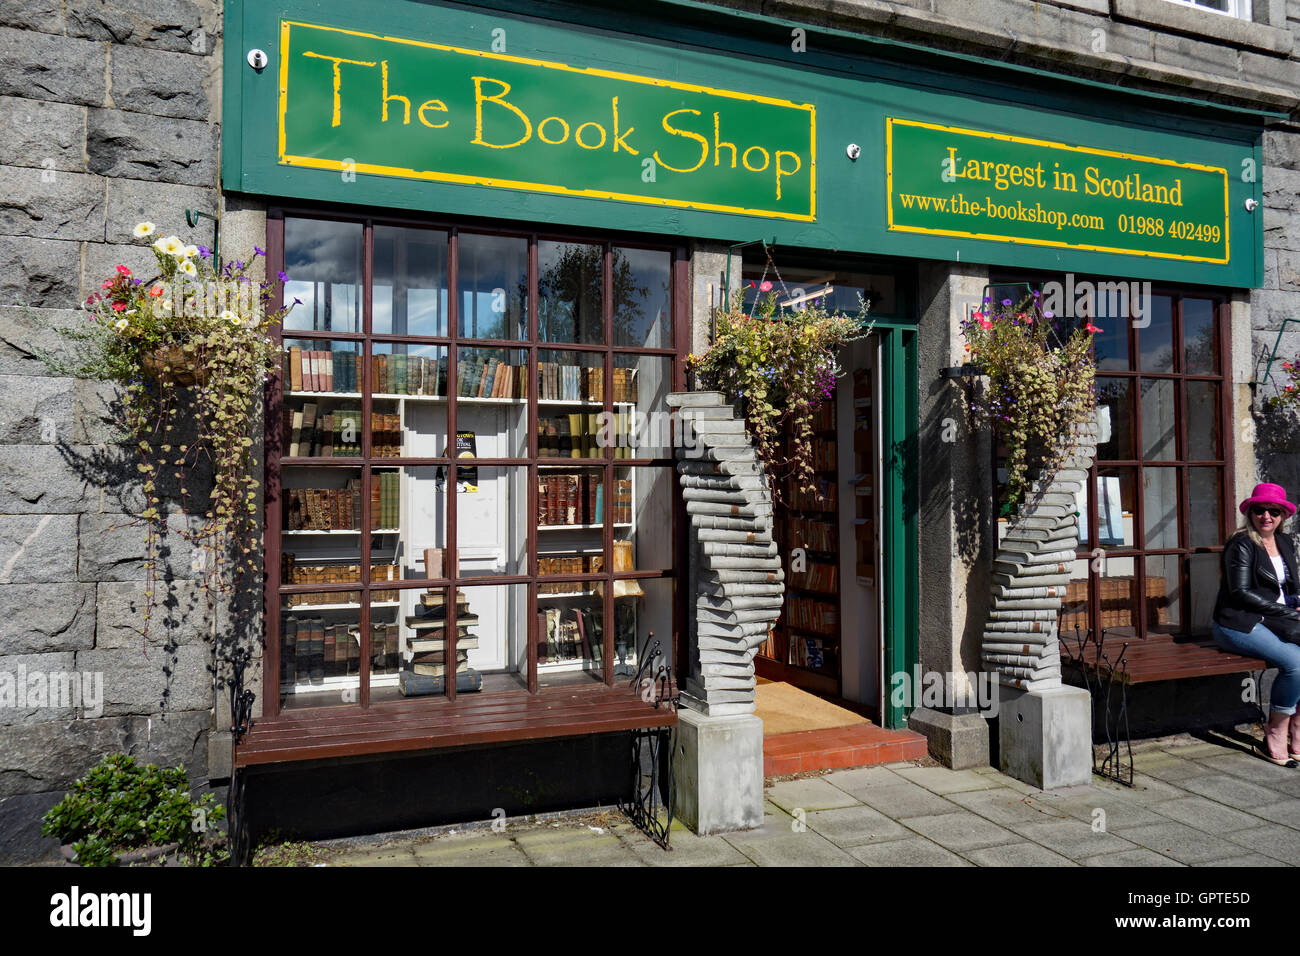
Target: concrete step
[689, 399]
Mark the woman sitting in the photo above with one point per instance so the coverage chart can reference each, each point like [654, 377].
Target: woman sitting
[1256, 616]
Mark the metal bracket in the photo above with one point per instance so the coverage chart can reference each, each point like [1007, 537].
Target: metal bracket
[192, 220]
[1268, 369]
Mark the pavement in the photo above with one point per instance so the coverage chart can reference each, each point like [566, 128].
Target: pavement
[1197, 801]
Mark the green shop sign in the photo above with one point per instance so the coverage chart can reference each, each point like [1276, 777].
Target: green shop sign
[947, 181]
[395, 106]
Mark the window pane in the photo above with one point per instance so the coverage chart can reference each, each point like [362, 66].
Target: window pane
[1158, 420]
[643, 519]
[1203, 421]
[1203, 570]
[1200, 345]
[1164, 593]
[491, 411]
[492, 278]
[1160, 507]
[1157, 336]
[491, 510]
[641, 387]
[571, 641]
[1119, 604]
[1205, 493]
[1115, 508]
[571, 390]
[320, 652]
[1115, 415]
[570, 278]
[410, 290]
[323, 262]
[422, 546]
[643, 298]
[321, 402]
[1112, 342]
[1076, 617]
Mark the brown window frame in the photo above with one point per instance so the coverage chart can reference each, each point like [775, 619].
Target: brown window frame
[365, 339]
[1222, 311]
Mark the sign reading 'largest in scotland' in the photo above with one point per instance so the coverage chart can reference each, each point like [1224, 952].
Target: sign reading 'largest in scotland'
[980, 185]
[360, 103]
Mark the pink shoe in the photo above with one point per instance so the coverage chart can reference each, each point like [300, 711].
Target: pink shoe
[1295, 736]
[1275, 740]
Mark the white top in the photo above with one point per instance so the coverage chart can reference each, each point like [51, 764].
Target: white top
[1279, 568]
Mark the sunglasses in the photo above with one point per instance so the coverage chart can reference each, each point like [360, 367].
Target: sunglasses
[1258, 512]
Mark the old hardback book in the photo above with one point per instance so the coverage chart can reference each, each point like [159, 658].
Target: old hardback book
[437, 618]
[410, 684]
[438, 643]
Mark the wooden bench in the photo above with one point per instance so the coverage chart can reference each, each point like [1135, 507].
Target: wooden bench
[435, 722]
[1156, 657]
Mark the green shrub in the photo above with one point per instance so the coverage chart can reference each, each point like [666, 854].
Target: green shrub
[119, 806]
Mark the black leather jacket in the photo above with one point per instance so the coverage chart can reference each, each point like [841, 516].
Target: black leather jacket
[1248, 588]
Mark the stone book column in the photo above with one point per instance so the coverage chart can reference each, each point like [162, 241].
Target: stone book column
[1044, 726]
[737, 586]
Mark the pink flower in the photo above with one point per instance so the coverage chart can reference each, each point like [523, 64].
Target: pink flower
[106, 284]
[985, 324]
[765, 287]
[123, 270]
[1091, 328]
[119, 306]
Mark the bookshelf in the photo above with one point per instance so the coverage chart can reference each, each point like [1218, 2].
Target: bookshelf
[322, 440]
[806, 638]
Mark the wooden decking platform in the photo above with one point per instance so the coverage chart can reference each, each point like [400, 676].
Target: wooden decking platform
[1156, 657]
[435, 722]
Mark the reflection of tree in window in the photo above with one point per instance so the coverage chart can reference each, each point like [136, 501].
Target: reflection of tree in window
[569, 291]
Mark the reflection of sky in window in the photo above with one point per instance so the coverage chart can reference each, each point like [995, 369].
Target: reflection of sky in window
[424, 309]
[323, 262]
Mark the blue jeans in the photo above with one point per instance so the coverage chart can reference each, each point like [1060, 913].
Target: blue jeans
[1285, 656]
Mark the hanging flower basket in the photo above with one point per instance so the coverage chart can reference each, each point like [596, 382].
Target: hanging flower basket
[174, 366]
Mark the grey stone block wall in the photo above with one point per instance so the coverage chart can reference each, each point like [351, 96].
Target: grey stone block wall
[109, 114]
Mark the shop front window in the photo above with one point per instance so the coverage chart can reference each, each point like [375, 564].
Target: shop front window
[466, 493]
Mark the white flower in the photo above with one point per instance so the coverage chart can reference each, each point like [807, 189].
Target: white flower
[167, 304]
[144, 229]
[121, 325]
[232, 317]
[130, 312]
[169, 246]
[188, 268]
[236, 320]
[190, 251]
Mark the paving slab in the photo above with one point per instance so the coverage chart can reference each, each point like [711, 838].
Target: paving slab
[1274, 840]
[810, 794]
[941, 780]
[959, 831]
[1285, 812]
[1185, 844]
[1004, 806]
[1201, 748]
[1147, 789]
[1173, 769]
[687, 849]
[1138, 857]
[789, 849]
[1252, 768]
[571, 847]
[1251, 859]
[863, 778]
[1074, 839]
[1018, 854]
[907, 800]
[1232, 791]
[916, 851]
[854, 826]
[380, 856]
[470, 850]
[1119, 811]
[1208, 815]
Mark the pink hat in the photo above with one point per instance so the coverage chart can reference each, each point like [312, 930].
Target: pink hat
[1268, 494]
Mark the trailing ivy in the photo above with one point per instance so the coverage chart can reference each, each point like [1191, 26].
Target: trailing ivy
[782, 365]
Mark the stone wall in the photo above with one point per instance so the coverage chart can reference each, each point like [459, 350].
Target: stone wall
[108, 115]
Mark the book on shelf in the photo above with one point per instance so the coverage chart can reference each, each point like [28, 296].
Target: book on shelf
[438, 642]
[295, 368]
[410, 684]
[433, 663]
[289, 650]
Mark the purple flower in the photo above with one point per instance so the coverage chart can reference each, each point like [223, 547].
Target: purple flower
[204, 252]
[297, 301]
[1006, 301]
[1049, 314]
[1037, 294]
[281, 276]
[239, 264]
[258, 252]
